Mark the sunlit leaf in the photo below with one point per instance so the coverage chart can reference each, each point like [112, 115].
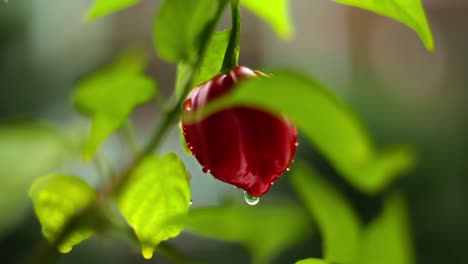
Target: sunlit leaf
[387, 239]
[157, 192]
[109, 96]
[105, 7]
[312, 261]
[334, 216]
[210, 65]
[57, 198]
[408, 12]
[27, 151]
[326, 122]
[274, 12]
[179, 25]
[264, 229]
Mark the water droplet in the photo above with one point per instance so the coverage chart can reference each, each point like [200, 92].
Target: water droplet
[271, 183]
[191, 201]
[65, 248]
[188, 105]
[206, 170]
[287, 169]
[296, 144]
[250, 199]
[147, 251]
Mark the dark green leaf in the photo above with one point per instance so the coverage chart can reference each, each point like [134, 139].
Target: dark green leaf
[326, 122]
[264, 229]
[334, 216]
[178, 27]
[105, 7]
[274, 12]
[312, 261]
[56, 199]
[210, 65]
[408, 12]
[27, 151]
[387, 238]
[157, 192]
[109, 96]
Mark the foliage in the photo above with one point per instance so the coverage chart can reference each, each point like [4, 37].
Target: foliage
[153, 193]
[57, 198]
[276, 14]
[129, 87]
[156, 193]
[42, 147]
[105, 7]
[333, 214]
[408, 12]
[346, 240]
[252, 227]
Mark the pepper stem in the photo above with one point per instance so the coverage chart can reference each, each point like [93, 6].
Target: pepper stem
[231, 56]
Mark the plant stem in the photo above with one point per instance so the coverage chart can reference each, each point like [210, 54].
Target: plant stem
[130, 136]
[107, 193]
[231, 56]
[101, 168]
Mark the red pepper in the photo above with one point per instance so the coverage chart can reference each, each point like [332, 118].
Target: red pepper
[245, 147]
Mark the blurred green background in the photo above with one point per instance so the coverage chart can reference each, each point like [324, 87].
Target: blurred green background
[403, 94]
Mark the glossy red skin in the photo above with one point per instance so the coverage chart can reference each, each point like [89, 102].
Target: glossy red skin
[245, 147]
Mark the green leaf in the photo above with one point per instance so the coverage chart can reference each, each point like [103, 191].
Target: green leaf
[109, 96]
[157, 192]
[261, 229]
[178, 27]
[387, 238]
[334, 216]
[57, 198]
[312, 261]
[210, 65]
[27, 151]
[183, 142]
[326, 121]
[275, 13]
[408, 12]
[105, 7]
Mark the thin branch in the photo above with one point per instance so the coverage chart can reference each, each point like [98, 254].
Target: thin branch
[231, 56]
[114, 187]
[130, 137]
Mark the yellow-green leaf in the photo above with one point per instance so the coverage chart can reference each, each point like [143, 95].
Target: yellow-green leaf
[157, 192]
[274, 12]
[264, 229]
[105, 7]
[312, 261]
[334, 216]
[57, 198]
[326, 122]
[27, 151]
[387, 239]
[408, 12]
[109, 96]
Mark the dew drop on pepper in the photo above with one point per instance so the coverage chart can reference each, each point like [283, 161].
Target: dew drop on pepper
[250, 199]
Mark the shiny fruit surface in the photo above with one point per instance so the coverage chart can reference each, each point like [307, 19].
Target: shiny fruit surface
[245, 147]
